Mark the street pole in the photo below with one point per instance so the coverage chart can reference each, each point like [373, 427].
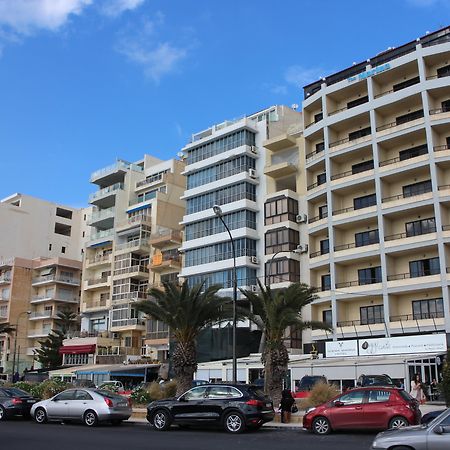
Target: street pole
[218, 212]
[15, 340]
[270, 266]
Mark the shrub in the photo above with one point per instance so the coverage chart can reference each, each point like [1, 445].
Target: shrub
[320, 393]
[444, 386]
[170, 389]
[48, 388]
[111, 388]
[155, 391]
[24, 386]
[140, 397]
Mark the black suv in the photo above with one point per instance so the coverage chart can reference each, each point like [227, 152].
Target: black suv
[375, 380]
[235, 407]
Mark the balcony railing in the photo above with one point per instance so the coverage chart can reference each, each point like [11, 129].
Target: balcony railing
[387, 126]
[314, 185]
[316, 218]
[5, 279]
[440, 148]
[439, 110]
[132, 269]
[315, 152]
[119, 165]
[136, 220]
[99, 259]
[347, 140]
[52, 297]
[129, 296]
[358, 282]
[348, 173]
[42, 315]
[105, 191]
[338, 248]
[404, 235]
[95, 304]
[56, 279]
[397, 159]
[101, 214]
[319, 253]
[132, 244]
[405, 276]
[104, 234]
[414, 317]
[153, 180]
[445, 227]
[356, 323]
[400, 196]
[127, 323]
[157, 335]
[94, 281]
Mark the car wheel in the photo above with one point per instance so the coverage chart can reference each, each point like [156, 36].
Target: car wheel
[40, 416]
[116, 422]
[321, 425]
[90, 418]
[234, 423]
[398, 422]
[161, 420]
[2, 413]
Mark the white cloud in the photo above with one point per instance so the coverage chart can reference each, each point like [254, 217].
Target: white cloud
[26, 16]
[301, 76]
[114, 8]
[157, 57]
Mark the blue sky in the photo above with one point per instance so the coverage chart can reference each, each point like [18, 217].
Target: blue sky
[86, 81]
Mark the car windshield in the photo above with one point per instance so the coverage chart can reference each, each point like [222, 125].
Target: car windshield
[258, 393]
[107, 394]
[16, 392]
[437, 419]
[378, 379]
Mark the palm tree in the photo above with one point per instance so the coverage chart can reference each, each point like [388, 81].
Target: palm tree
[67, 320]
[6, 328]
[186, 311]
[273, 313]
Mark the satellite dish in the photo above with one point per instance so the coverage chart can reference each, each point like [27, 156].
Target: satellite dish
[294, 106]
[180, 155]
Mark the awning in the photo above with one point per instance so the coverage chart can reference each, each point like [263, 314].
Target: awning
[47, 271]
[101, 244]
[76, 349]
[139, 208]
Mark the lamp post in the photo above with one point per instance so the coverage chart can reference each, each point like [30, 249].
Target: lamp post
[15, 340]
[218, 212]
[270, 266]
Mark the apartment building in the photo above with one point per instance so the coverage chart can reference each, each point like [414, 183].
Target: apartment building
[40, 262]
[135, 233]
[225, 166]
[377, 138]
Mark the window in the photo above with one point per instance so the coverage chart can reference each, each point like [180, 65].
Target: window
[359, 134]
[49, 247]
[405, 84]
[63, 249]
[409, 117]
[370, 275]
[195, 393]
[371, 314]
[282, 270]
[417, 188]
[418, 227]
[66, 213]
[366, 238]
[283, 239]
[223, 392]
[362, 166]
[443, 71]
[246, 276]
[327, 317]
[445, 105]
[128, 341]
[358, 101]
[321, 178]
[376, 396]
[280, 210]
[424, 267]
[320, 147]
[66, 395]
[82, 395]
[428, 309]
[413, 152]
[64, 230]
[325, 282]
[318, 117]
[323, 211]
[365, 201]
[325, 246]
[352, 398]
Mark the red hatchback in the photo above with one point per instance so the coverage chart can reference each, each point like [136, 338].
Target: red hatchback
[371, 407]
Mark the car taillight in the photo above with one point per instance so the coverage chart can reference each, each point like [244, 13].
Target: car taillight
[109, 402]
[257, 403]
[17, 401]
[129, 402]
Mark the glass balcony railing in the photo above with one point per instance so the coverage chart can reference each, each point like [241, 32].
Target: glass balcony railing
[105, 191]
[104, 234]
[101, 214]
[118, 165]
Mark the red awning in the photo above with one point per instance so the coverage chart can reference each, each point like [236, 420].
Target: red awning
[76, 349]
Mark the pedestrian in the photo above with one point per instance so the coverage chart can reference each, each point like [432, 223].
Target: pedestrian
[287, 401]
[417, 391]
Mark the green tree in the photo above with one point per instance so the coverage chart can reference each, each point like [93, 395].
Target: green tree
[445, 384]
[274, 312]
[186, 311]
[48, 354]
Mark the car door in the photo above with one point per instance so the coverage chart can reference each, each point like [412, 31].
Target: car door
[81, 402]
[346, 411]
[58, 406]
[217, 399]
[190, 405]
[377, 408]
[439, 438]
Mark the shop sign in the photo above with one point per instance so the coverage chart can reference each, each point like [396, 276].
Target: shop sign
[369, 73]
[335, 349]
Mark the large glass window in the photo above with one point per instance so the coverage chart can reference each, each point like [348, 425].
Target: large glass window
[428, 308]
[325, 282]
[424, 267]
[359, 133]
[324, 246]
[371, 314]
[419, 227]
[408, 117]
[365, 201]
[281, 270]
[245, 277]
[281, 240]
[327, 317]
[228, 142]
[323, 212]
[362, 166]
[366, 238]
[417, 188]
[352, 398]
[413, 152]
[370, 275]
[280, 210]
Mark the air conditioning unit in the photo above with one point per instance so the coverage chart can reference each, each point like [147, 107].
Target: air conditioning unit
[254, 149]
[254, 260]
[253, 288]
[301, 218]
[116, 335]
[302, 248]
[252, 173]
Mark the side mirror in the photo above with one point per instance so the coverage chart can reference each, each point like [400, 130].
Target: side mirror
[182, 399]
[338, 403]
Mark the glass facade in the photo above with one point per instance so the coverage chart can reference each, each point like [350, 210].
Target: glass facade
[278, 210]
[281, 240]
[245, 277]
[281, 270]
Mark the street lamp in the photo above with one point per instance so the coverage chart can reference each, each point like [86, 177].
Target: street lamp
[15, 340]
[218, 212]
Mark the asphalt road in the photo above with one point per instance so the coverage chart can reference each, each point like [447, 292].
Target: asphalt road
[18, 434]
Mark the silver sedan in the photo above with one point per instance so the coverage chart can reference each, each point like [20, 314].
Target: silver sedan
[434, 436]
[90, 406]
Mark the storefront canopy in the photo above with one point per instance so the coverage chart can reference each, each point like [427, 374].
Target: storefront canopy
[77, 349]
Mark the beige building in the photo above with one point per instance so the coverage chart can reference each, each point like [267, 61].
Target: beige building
[377, 139]
[135, 234]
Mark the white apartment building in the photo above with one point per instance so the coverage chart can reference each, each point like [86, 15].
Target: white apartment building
[377, 138]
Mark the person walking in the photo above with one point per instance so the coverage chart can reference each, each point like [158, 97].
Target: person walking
[417, 391]
[287, 401]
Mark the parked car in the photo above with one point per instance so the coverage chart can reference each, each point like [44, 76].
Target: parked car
[428, 417]
[306, 384]
[235, 407]
[364, 408]
[15, 402]
[433, 436]
[375, 380]
[199, 382]
[90, 406]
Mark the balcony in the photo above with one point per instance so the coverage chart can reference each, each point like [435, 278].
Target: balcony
[103, 218]
[50, 279]
[39, 333]
[315, 154]
[51, 297]
[405, 235]
[366, 282]
[137, 324]
[134, 222]
[113, 173]
[353, 245]
[164, 238]
[281, 169]
[135, 200]
[354, 138]
[95, 304]
[400, 86]
[402, 279]
[318, 253]
[99, 260]
[42, 315]
[418, 322]
[414, 153]
[441, 148]
[102, 195]
[440, 113]
[162, 262]
[135, 246]
[96, 283]
[101, 236]
[312, 186]
[129, 297]
[412, 195]
[135, 271]
[407, 121]
[5, 279]
[350, 105]
[349, 173]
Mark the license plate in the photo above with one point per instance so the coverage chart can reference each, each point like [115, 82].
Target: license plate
[122, 404]
[268, 405]
[31, 401]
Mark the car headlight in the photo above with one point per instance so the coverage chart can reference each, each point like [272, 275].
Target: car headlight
[309, 410]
